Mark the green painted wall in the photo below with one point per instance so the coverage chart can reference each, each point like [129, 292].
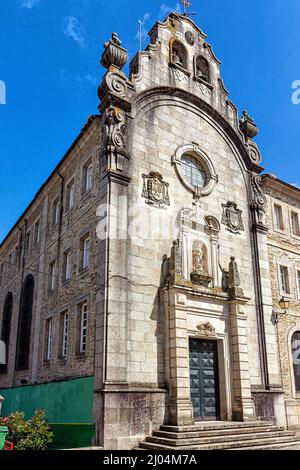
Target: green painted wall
[68, 401]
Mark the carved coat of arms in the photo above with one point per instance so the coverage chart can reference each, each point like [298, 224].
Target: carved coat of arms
[155, 190]
[232, 218]
[206, 329]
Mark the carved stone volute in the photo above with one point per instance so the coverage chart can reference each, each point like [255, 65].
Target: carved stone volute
[115, 104]
[259, 200]
[114, 156]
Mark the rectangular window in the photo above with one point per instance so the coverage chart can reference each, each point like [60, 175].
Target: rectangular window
[298, 282]
[85, 248]
[83, 328]
[278, 217]
[65, 328]
[27, 242]
[55, 212]
[71, 195]
[16, 258]
[295, 224]
[284, 279]
[68, 265]
[49, 339]
[9, 260]
[52, 275]
[37, 232]
[88, 176]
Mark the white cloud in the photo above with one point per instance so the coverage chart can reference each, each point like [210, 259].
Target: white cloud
[88, 78]
[73, 29]
[91, 79]
[29, 3]
[167, 9]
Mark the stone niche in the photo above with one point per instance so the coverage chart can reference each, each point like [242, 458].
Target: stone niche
[199, 244]
[200, 274]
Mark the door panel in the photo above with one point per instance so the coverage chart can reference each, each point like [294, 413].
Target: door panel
[204, 381]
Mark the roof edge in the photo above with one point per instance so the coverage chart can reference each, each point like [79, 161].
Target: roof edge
[89, 121]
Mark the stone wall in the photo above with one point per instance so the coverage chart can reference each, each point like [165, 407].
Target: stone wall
[284, 249]
[54, 241]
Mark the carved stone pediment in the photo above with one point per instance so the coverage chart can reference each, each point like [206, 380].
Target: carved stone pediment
[206, 329]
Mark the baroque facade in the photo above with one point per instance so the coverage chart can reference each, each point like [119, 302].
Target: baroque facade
[141, 285]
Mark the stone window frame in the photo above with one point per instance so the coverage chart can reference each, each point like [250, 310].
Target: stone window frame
[48, 320]
[293, 210]
[64, 336]
[88, 162]
[71, 182]
[53, 285]
[195, 151]
[85, 235]
[37, 231]
[282, 206]
[297, 270]
[66, 252]
[85, 300]
[284, 264]
[293, 329]
[27, 242]
[55, 206]
[184, 67]
[208, 82]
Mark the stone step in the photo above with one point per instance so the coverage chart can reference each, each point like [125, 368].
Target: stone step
[215, 433]
[258, 443]
[218, 439]
[218, 425]
[295, 445]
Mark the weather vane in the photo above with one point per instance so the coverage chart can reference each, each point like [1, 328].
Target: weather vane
[187, 4]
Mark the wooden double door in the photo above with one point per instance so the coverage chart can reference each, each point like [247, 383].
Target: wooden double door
[204, 379]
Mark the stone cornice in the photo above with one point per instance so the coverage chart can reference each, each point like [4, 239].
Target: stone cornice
[272, 182]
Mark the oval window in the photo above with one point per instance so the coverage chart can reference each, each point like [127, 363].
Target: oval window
[193, 172]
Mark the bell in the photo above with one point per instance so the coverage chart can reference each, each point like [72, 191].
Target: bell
[176, 59]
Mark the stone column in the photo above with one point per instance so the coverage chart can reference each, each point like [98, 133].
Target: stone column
[243, 408]
[180, 404]
[111, 318]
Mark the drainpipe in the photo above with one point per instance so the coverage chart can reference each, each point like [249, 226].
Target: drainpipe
[61, 207]
[21, 255]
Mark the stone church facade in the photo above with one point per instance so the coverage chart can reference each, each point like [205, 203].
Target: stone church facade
[145, 277]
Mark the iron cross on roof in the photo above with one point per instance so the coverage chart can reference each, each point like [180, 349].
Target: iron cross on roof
[187, 4]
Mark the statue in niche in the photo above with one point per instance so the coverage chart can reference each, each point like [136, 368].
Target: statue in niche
[200, 273]
[198, 260]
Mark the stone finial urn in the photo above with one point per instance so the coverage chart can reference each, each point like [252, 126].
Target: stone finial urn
[248, 126]
[114, 55]
[234, 280]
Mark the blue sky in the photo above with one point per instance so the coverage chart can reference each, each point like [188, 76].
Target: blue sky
[49, 60]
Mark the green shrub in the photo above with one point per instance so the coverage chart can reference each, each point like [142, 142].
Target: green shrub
[33, 434]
